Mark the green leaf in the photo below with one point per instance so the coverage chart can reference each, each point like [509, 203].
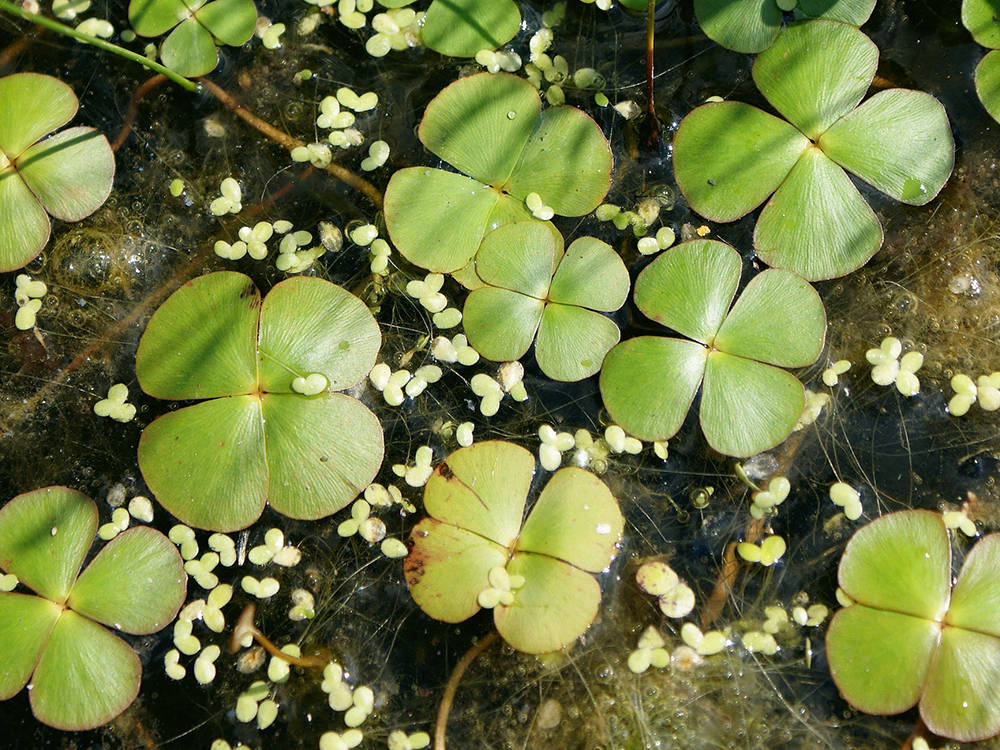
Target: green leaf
[740, 25]
[309, 325]
[26, 228]
[816, 72]
[34, 105]
[321, 452]
[988, 83]
[231, 22]
[44, 536]
[25, 624]
[70, 173]
[960, 698]
[899, 142]
[817, 224]
[900, 562]
[566, 161]
[573, 341]
[460, 28]
[975, 600]
[447, 568]
[189, 50]
[779, 319]
[854, 12]
[575, 519]
[591, 275]
[649, 382]
[155, 17]
[501, 324]
[437, 219]
[469, 124]
[482, 489]
[201, 342]
[206, 463]
[982, 19]
[135, 584]
[556, 604]
[690, 287]
[85, 677]
[519, 257]
[746, 406]
[879, 660]
[729, 156]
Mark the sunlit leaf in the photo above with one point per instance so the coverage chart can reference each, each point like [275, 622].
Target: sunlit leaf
[460, 28]
[155, 17]
[854, 12]
[34, 106]
[25, 625]
[982, 19]
[975, 600]
[501, 324]
[591, 275]
[814, 90]
[649, 382]
[746, 406]
[899, 142]
[229, 21]
[26, 228]
[85, 677]
[573, 341]
[988, 83]
[960, 698]
[135, 584]
[740, 25]
[729, 156]
[838, 233]
[44, 536]
[189, 49]
[519, 257]
[879, 674]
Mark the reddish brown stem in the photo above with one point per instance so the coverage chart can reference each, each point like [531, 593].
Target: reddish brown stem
[288, 142]
[441, 725]
[133, 109]
[245, 625]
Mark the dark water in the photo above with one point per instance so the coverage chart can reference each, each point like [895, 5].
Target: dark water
[108, 273]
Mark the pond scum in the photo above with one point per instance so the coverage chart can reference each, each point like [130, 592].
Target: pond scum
[934, 286]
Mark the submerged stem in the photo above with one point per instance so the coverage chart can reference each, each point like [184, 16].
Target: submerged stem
[48, 23]
[246, 625]
[441, 725]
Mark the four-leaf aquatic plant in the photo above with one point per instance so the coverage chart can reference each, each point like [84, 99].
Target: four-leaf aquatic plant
[81, 674]
[198, 26]
[752, 25]
[910, 636]
[274, 430]
[748, 403]
[473, 550]
[492, 128]
[532, 287]
[67, 175]
[729, 156]
[982, 19]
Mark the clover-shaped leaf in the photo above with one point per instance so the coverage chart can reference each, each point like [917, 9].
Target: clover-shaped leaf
[729, 157]
[748, 403]
[258, 439]
[67, 175]
[752, 25]
[461, 28]
[533, 288]
[81, 674]
[198, 26]
[475, 502]
[982, 19]
[491, 127]
[909, 636]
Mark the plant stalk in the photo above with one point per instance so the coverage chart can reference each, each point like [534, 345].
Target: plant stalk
[441, 725]
[48, 23]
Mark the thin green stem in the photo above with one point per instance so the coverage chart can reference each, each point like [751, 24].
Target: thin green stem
[69, 31]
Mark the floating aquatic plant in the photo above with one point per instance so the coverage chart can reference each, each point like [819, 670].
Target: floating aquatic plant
[735, 355]
[533, 288]
[473, 550]
[910, 637]
[491, 127]
[982, 19]
[461, 28]
[729, 156]
[67, 175]
[274, 429]
[752, 25]
[81, 675]
[196, 27]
